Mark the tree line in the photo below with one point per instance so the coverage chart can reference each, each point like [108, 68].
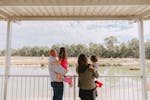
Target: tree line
[110, 48]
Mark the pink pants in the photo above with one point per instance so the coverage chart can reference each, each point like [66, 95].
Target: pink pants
[68, 80]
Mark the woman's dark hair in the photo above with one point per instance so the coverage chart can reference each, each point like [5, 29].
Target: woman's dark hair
[62, 53]
[93, 58]
[82, 63]
[82, 60]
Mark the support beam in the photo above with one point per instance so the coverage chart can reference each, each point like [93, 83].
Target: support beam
[147, 18]
[71, 2]
[142, 58]
[3, 14]
[145, 15]
[58, 18]
[8, 59]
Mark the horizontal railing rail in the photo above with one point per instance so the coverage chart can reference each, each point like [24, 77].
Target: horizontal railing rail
[15, 75]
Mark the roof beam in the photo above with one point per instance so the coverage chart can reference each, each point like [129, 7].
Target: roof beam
[3, 14]
[57, 18]
[71, 2]
[145, 14]
[148, 18]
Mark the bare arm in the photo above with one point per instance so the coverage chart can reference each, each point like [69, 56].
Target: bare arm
[59, 69]
[55, 62]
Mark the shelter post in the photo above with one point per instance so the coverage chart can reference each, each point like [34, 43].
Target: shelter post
[142, 58]
[8, 58]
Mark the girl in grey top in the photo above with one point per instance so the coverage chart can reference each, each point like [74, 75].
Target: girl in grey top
[86, 83]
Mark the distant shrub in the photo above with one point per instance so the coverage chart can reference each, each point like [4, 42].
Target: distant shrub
[105, 64]
[118, 64]
[109, 64]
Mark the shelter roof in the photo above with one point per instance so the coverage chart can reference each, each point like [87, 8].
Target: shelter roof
[74, 9]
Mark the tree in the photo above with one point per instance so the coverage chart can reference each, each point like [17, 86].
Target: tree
[110, 49]
[25, 51]
[80, 48]
[123, 50]
[147, 49]
[110, 41]
[133, 48]
[96, 49]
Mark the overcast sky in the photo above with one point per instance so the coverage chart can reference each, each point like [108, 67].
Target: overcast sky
[47, 33]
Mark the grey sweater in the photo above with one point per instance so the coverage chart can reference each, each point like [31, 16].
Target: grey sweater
[54, 69]
[86, 79]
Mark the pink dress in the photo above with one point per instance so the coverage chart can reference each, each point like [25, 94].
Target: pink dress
[64, 64]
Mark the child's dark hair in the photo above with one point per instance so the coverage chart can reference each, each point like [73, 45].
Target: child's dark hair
[93, 58]
[62, 53]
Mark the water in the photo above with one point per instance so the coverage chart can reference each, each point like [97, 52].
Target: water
[32, 70]
[103, 70]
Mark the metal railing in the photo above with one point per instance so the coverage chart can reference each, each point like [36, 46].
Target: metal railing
[37, 87]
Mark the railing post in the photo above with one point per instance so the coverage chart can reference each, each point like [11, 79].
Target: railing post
[74, 95]
[8, 60]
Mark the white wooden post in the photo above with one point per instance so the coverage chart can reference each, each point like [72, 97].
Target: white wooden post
[142, 58]
[8, 59]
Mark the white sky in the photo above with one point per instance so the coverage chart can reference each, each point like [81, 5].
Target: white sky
[47, 33]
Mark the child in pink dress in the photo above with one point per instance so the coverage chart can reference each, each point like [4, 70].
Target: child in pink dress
[64, 64]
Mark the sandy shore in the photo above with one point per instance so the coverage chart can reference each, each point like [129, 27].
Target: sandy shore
[19, 60]
[31, 60]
